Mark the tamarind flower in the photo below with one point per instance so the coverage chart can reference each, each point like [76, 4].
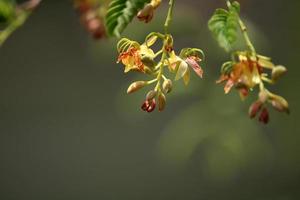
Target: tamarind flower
[244, 75]
[247, 73]
[182, 66]
[135, 58]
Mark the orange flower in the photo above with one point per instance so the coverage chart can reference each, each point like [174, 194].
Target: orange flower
[132, 60]
[245, 75]
[182, 66]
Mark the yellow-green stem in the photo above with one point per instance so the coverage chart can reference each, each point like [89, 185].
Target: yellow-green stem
[246, 37]
[164, 51]
[245, 33]
[15, 24]
[169, 16]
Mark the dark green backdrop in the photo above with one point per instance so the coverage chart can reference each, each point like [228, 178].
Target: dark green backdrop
[69, 131]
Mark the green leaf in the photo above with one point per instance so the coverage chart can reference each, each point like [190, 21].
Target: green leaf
[7, 11]
[120, 13]
[224, 25]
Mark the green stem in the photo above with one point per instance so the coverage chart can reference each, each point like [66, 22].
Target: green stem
[163, 50]
[244, 32]
[246, 37]
[169, 16]
[15, 24]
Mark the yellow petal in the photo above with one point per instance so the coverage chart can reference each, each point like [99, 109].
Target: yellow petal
[187, 77]
[182, 69]
[145, 51]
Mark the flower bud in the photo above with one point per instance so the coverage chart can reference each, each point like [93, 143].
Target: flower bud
[254, 109]
[263, 96]
[264, 116]
[161, 102]
[146, 14]
[280, 104]
[155, 3]
[136, 86]
[151, 95]
[149, 106]
[278, 72]
[167, 86]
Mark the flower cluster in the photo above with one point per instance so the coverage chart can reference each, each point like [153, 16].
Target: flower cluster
[141, 58]
[90, 17]
[245, 72]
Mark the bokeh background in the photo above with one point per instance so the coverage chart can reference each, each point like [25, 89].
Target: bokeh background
[69, 131]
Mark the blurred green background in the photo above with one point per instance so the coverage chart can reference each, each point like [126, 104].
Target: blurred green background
[69, 131]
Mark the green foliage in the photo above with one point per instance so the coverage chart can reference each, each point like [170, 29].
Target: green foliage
[120, 13]
[224, 25]
[7, 11]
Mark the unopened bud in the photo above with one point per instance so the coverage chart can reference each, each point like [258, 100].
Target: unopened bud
[264, 116]
[161, 102]
[263, 96]
[244, 91]
[136, 86]
[278, 72]
[254, 109]
[146, 14]
[167, 86]
[280, 104]
[151, 95]
[93, 25]
[155, 3]
[149, 106]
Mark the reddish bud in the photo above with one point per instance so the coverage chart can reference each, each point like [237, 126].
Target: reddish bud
[146, 14]
[93, 25]
[254, 109]
[264, 116]
[244, 92]
[149, 106]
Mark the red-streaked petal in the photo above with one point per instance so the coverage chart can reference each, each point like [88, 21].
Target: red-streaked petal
[193, 63]
[228, 86]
